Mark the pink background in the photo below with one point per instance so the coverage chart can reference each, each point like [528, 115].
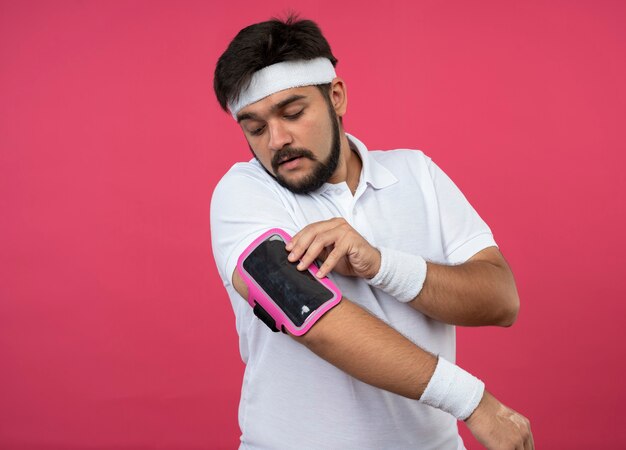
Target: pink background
[115, 331]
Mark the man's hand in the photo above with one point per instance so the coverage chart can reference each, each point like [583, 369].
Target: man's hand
[498, 427]
[339, 245]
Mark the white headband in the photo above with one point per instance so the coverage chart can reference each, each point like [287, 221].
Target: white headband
[281, 76]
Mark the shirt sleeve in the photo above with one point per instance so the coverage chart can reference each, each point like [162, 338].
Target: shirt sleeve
[243, 206]
[464, 233]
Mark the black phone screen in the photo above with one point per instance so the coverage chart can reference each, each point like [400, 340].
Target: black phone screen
[297, 293]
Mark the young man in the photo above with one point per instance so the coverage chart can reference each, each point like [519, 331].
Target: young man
[410, 255]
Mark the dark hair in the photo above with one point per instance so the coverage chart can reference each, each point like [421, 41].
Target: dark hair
[263, 44]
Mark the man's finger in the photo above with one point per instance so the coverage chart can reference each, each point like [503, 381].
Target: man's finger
[298, 246]
[316, 247]
[531, 441]
[314, 229]
[330, 262]
[314, 235]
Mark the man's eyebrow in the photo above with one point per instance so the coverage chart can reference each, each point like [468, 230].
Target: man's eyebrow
[277, 106]
[287, 101]
[245, 116]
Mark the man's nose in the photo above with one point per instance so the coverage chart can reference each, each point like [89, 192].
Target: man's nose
[279, 136]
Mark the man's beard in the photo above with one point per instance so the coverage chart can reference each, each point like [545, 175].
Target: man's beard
[322, 171]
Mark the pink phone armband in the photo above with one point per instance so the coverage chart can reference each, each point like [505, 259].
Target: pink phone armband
[282, 296]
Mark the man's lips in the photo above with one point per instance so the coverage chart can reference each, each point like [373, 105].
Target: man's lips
[290, 163]
[291, 158]
[288, 159]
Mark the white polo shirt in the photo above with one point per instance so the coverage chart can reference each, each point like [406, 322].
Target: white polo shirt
[290, 397]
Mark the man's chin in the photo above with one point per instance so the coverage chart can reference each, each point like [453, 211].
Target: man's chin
[300, 186]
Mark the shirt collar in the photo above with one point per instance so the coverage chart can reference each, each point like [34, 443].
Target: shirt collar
[372, 172]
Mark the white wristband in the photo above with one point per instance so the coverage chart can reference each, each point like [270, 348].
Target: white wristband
[401, 275]
[453, 390]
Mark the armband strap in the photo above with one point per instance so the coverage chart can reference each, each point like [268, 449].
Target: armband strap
[453, 390]
[265, 317]
[401, 274]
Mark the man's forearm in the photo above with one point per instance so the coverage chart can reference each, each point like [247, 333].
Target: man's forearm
[478, 292]
[365, 347]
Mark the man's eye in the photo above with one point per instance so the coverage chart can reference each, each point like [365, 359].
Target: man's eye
[257, 131]
[294, 116]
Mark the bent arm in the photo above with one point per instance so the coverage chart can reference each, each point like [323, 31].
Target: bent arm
[366, 348]
[479, 292]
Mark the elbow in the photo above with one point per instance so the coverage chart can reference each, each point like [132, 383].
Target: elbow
[508, 320]
[509, 301]
[509, 311]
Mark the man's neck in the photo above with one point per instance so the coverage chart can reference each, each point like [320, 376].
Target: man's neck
[350, 165]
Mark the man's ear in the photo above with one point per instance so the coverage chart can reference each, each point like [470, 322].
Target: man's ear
[339, 96]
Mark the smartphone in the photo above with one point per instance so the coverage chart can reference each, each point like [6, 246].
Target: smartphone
[299, 295]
